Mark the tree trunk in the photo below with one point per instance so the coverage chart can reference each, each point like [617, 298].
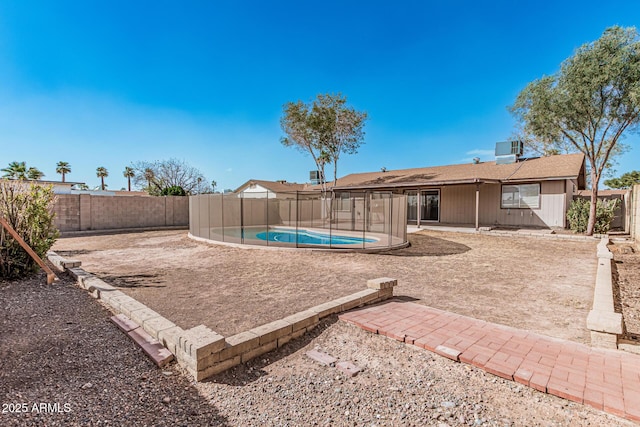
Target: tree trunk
[62, 176]
[594, 202]
[102, 183]
[335, 172]
[129, 183]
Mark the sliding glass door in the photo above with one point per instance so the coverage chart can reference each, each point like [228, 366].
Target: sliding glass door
[430, 205]
[424, 203]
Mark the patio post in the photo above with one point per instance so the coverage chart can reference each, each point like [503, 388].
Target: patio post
[419, 209]
[477, 206]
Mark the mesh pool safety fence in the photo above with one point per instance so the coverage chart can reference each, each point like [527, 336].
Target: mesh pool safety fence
[344, 220]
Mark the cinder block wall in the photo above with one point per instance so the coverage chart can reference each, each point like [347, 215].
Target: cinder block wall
[79, 212]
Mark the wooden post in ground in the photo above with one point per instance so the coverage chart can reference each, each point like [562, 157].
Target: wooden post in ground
[51, 277]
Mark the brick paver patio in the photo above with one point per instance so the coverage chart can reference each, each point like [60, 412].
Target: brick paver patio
[608, 380]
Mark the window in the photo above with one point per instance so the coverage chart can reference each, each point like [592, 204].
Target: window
[343, 202]
[521, 196]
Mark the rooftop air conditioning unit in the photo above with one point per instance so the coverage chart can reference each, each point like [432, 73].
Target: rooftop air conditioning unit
[314, 177]
[508, 148]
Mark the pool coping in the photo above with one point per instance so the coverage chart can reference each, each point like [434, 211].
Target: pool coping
[289, 248]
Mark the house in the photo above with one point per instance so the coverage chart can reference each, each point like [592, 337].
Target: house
[255, 188]
[511, 191]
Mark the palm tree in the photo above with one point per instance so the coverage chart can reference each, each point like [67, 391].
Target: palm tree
[213, 186]
[63, 168]
[129, 173]
[15, 170]
[149, 175]
[34, 173]
[102, 173]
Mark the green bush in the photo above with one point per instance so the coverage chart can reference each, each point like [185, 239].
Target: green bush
[578, 215]
[28, 208]
[175, 190]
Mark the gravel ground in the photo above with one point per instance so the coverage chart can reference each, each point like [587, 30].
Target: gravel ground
[399, 385]
[58, 347]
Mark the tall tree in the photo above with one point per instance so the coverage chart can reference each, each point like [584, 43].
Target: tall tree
[15, 170]
[129, 173]
[588, 104]
[323, 128]
[149, 176]
[34, 173]
[63, 168]
[102, 173]
[169, 173]
[342, 127]
[627, 180]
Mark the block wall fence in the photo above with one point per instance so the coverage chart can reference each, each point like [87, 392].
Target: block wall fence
[83, 212]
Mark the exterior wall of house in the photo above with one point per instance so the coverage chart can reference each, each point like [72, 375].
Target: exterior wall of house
[457, 206]
[255, 191]
[634, 226]
[79, 212]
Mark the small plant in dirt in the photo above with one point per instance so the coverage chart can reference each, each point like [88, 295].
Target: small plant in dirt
[28, 208]
[578, 215]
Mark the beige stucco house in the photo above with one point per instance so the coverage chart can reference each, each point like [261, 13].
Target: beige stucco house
[534, 192]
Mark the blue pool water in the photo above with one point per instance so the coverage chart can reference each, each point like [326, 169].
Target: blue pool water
[306, 237]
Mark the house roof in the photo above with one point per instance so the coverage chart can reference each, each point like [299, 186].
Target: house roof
[274, 186]
[566, 166]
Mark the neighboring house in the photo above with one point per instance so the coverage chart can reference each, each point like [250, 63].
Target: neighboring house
[255, 188]
[533, 192]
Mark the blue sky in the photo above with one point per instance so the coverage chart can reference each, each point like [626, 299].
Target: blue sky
[107, 83]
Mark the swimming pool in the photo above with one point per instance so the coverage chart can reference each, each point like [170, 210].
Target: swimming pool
[306, 237]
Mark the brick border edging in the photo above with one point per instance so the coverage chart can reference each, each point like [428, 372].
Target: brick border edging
[553, 236]
[204, 352]
[603, 322]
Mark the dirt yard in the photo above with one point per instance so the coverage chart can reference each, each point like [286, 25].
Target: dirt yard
[541, 285]
[627, 277]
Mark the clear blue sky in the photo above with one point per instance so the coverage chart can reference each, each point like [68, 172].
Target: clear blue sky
[107, 83]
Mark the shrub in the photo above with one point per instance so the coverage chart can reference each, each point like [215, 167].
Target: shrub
[175, 190]
[28, 208]
[578, 215]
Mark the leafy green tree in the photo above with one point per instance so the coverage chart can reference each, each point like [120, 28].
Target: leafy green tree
[63, 168]
[588, 104]
[102, 173]
[15, 170]
[129, 173]
[29, 211]
[323, 128]
[627, 180]
[34, 173]
[175, 190]
[341, 126]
